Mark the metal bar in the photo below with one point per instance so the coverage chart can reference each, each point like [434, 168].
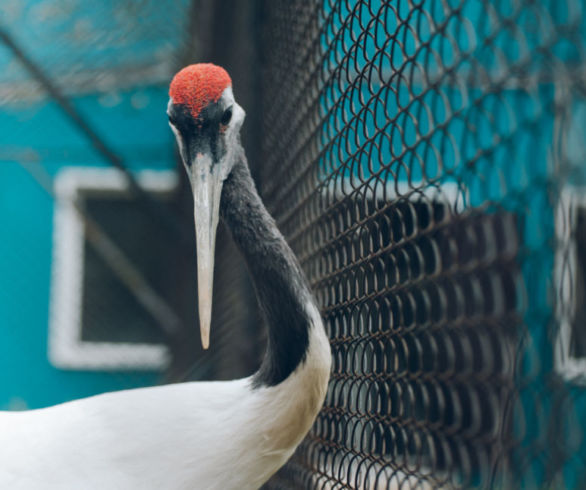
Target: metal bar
[68, 108]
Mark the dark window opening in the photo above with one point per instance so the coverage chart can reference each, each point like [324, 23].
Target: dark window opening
[110, 311]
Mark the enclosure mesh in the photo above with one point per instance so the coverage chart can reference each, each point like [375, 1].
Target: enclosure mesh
[424, 160]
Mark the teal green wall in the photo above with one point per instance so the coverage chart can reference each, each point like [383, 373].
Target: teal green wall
[114, 40]
[138, 131]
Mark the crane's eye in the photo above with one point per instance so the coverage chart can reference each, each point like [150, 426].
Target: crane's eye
[226, 116]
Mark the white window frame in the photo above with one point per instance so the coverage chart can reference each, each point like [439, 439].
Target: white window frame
[66, 349]
[569, 367]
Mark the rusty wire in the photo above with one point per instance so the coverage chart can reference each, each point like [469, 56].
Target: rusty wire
[414, 154]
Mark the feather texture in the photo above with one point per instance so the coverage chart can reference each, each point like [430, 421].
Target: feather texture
[209, 435]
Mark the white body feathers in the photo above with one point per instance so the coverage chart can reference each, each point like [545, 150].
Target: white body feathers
[199, 435]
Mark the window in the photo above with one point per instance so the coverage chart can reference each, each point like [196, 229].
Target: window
[571, 283]
[96, 321]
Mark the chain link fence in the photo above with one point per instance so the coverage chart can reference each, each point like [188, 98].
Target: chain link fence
[425, 161]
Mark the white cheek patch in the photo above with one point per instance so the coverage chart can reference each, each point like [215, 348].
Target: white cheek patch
[228, 95]
[174, 130]
[178, 138]
[227, 100]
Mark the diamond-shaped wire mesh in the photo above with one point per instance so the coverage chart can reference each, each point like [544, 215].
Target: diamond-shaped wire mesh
[423, 159]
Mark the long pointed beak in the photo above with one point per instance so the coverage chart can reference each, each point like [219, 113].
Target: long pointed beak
[207, 189]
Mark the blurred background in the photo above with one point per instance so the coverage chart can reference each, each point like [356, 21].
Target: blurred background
[426, 160]
[98, 274]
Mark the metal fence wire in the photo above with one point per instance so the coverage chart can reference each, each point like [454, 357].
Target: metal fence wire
[424, 160]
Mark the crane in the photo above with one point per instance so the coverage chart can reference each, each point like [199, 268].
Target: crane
[195, 435]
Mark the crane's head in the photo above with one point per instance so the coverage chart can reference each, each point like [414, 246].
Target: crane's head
[206, 121]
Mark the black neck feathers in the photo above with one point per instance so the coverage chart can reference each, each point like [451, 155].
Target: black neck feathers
[280, 285]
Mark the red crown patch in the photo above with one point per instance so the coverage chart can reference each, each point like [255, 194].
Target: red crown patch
[198, 85]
